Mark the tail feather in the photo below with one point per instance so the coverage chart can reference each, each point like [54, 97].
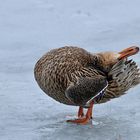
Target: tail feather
[125, 75]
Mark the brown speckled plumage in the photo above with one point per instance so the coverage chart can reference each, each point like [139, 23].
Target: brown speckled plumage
[62, 70]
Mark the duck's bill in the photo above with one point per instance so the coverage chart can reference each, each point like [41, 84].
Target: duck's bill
[128, 52]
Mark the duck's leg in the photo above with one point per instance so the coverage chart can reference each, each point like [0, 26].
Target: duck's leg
[91, 113]
[80, 112]
[85, 119]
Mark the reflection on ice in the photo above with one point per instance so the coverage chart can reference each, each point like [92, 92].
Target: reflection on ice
[102, 127]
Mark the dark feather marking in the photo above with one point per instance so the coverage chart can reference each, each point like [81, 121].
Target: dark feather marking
[85, 89]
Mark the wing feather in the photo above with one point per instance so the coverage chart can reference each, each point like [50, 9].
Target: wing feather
[86, 89]
[124, 75]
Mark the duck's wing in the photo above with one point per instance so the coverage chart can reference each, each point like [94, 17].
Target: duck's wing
[124, 75]
[86, 89]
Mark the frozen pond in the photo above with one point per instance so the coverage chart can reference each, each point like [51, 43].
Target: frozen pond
[29, 28]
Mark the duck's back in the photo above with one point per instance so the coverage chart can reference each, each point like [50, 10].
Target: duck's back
[58, 68]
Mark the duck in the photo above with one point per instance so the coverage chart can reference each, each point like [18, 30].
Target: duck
[74, 76]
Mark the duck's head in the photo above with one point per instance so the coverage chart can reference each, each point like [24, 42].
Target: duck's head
[108, 59]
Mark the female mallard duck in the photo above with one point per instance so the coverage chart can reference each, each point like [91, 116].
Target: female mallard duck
[73, 76]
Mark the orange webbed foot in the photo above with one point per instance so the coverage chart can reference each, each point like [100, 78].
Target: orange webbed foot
[83, 119]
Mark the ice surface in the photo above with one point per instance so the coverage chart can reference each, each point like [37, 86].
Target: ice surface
[30, 28]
